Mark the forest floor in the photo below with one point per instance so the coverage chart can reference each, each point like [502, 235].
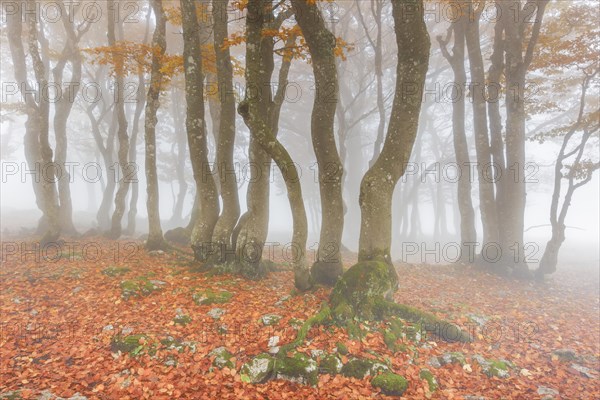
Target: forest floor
[60, 319]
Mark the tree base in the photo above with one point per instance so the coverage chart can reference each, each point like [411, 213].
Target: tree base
[365, 292]
[326, 273]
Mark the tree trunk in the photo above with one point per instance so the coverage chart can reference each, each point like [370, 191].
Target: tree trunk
[123, 153]
[155, 237]
[226, 137]
[38, 152]
[208, 207]
[251, 231]
[262, 131]
[456, 60]
[487, 200]
[517, 65]
[179, 128]
[378, 184]
[321, 43]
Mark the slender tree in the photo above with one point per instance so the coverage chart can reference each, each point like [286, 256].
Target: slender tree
[159, 44]
[208, 207]
[321, 43]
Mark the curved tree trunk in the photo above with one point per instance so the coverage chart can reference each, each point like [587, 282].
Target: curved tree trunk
[208, 207]
[123, 138]
[380, 180]
[261, 129]
[321, 43]
[226, 137]
[159, 42]
[250, 234]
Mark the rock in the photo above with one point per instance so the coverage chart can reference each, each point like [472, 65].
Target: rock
[274, 350]
[360, 368]
[270, 319]
[565, 354]
[273, 341]
[171, 362]
[47, 395]
[299, 369]
[216, 313]
[470, 397]
[156, 253]
[390, 384]
[108, 327]
[33, 312]
[428, 376]
[330, 364]
[546, 391]
[258, 370]
[77, 289]
[587, 372]
[454, 357]
[479, 320]
[182, 319]
[282, 300]
[497, 368]
[222, 358]
[434, 362]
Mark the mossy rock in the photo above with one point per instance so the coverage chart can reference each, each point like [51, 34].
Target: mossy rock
[360, 290]
[454, 357]
[389, 338]
[298, 368]
[330, 364]
[138, 288]
[390, 384]
[12, 395]
[209, 296]
[257, 370]
[430, 378]
[115, 271]
[176, 344]
[131, 344]
[182, 319]
[270, 319]
[360, 368]
[222, 358]
[494, 368]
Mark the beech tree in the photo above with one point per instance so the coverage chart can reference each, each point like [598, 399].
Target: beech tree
[38, 152]
[155, 237]
[322, 43]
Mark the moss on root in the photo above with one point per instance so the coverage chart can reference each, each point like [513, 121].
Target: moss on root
[358, 291]
[365, 292]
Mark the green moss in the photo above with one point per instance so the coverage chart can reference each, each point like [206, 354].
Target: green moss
[131, 344]
[222, 358]
[258, 370]
[361, 288]
[330, 364]
[115, 271]
[430, 378]
[360, 368]
[13, 395]
[209, 296]
[299, 368]
[176, 344]
[270, 319]
[137, 288]
[182, 319]
[319, 318]
[497, 368]
[429, 322]
[390, 384]
[390, 340]
[341, 348]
